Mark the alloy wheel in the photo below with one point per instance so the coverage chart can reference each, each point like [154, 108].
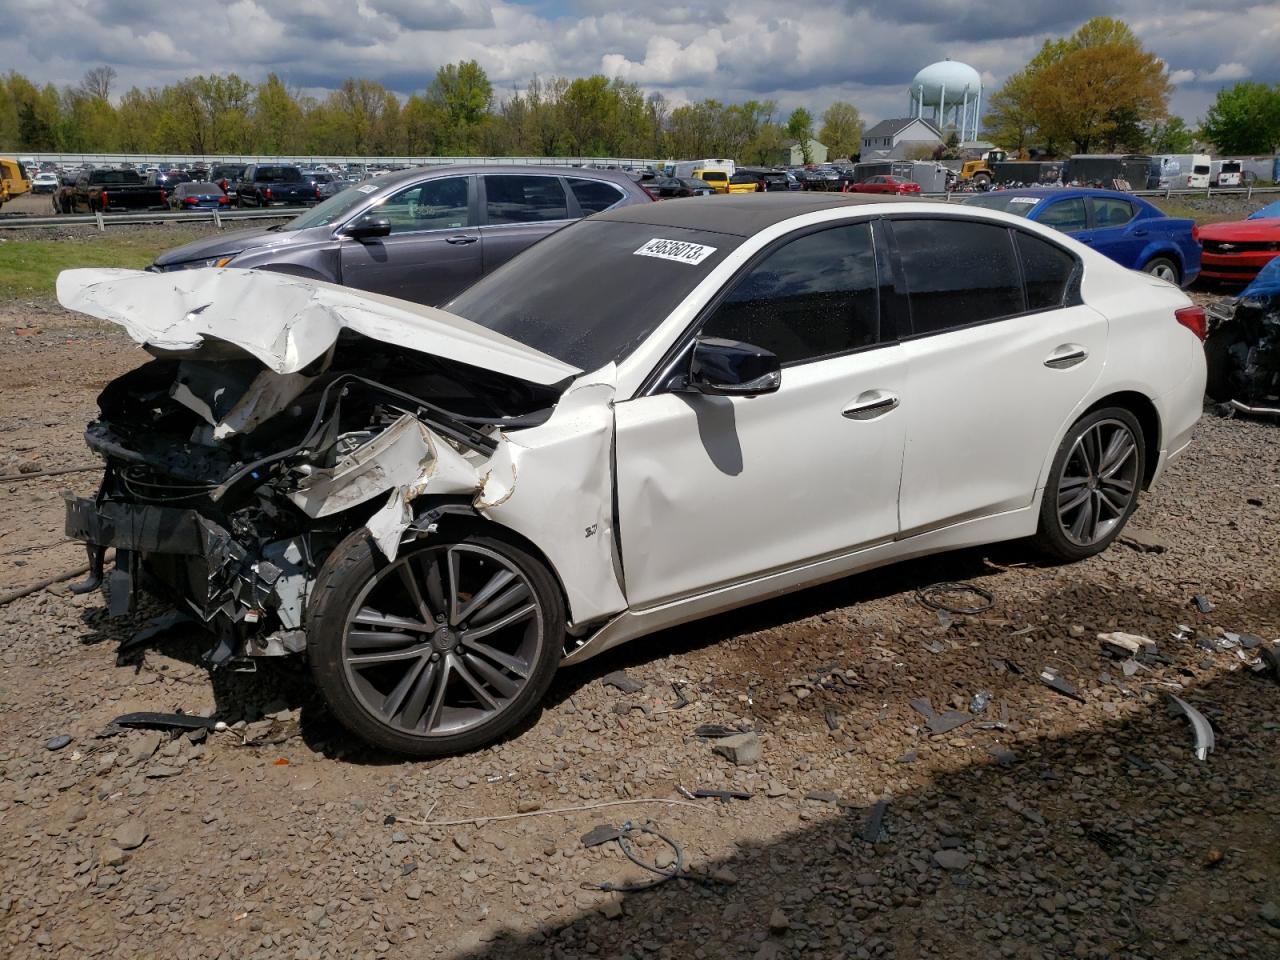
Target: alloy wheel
[443, 639]
[1165, 272]
[1098, 483]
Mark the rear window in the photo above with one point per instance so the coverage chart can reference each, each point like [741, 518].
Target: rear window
[587, 295]
[594, 195]
[200, 186]
[278, 175]
[118, 177]
[716, 175]
[1200, 168]
[510, 198]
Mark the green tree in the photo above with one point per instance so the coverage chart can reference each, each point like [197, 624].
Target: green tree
[464, 94]
[800, 129]
[841, 130]
[275, 118]
[1244, 118]
[1170, 136]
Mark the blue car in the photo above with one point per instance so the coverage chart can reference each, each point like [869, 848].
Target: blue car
[1125, 228]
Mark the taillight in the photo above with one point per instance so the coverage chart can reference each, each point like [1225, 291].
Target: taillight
[223, 200]
[1193, 318]
[1195, 232]
[193, 200]
[103, 198]
[652, 195]
[164, 195]
[267, 193]
[317, 193]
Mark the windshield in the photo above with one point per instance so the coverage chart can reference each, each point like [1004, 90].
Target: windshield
[1007, 201]
[592, 292]
[332, 210]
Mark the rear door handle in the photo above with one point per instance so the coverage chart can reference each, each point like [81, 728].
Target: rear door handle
[870, 404]
[461, 240]
[1066, 355]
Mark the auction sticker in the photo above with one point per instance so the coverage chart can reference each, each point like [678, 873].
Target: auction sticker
[1024, 199]
[677, 250]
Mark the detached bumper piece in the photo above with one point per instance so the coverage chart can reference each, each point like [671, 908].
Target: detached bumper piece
[190, 556]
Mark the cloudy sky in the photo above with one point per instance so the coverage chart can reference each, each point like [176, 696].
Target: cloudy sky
[798, 53]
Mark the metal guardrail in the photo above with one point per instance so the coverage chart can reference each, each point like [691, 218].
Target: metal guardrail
[218, 217]
[102, 221]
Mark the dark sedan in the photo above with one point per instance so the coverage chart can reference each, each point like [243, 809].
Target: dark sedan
[198, 195]
[421, 235]
[668, 188]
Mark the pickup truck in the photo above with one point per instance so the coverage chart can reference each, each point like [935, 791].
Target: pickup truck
[105, 190]
[274, 184]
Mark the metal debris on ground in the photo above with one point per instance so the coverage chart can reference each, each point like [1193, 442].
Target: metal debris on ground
[716, 731]
[832, 720]
[682, 701]
[620, 681]
[873, 826]
[164, 721]
[932, 597]
[1269, 660]
[939, 723]
[1055, 681]
[1200, 727]
[1126, 644]
[724, 796]
[1203, 603]
[606, 833]
[980, 701]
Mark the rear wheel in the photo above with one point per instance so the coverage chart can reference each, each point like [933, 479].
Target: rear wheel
[1165, 269]
[442, 650]
[1093, 485]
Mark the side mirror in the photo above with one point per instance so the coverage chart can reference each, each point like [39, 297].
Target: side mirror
[731, 368]
[368, 229]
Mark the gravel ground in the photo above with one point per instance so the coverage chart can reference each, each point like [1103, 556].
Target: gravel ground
[1043, 827]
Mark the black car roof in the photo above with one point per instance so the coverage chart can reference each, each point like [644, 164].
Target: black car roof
[742, 214]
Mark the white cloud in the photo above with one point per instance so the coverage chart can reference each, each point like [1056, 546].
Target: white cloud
[1181, 76]
[1225, 71]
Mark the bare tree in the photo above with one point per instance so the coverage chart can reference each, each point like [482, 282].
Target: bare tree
[97, 82]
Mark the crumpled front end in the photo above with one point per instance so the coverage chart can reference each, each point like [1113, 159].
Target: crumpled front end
[231, 473]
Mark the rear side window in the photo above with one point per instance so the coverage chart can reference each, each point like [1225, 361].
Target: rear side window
[716, 175]
[511, 198]
[957, 272]
[1046, 271]
[813, 297]
[1065, 215]
[1111, 211]
[594, 195]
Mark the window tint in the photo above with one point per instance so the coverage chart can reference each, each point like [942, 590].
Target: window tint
[435, 205]
[957, 272]
[594, 195]
[1046, 271]
[517, 199]
[1065, 215]
[814, 297]
[1111, 211]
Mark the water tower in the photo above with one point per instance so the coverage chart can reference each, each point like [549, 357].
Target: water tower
[949, 94]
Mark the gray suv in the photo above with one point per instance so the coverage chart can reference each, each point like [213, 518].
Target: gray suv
[422, 235]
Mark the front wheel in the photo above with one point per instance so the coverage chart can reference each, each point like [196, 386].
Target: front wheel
[442, 650]
[1093, 485]
[1164, 268]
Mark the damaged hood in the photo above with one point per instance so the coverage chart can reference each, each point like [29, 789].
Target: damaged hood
[287, 322]
[222, 245]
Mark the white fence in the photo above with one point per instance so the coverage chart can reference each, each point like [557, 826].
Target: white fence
[151, 159]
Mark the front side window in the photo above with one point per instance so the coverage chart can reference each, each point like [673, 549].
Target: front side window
[813, 297]
[1111, 211]
[1065, 215]
[594, 195]
[511, 198]
[439, 204]
[957, 272]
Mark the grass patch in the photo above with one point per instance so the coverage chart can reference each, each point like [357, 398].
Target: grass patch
[30, 268]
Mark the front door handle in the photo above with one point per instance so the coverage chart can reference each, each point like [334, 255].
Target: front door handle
[1066, 355]
[870, 404]
[460, 240]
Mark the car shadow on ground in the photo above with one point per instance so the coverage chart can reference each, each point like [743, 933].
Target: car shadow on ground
[1083, 845]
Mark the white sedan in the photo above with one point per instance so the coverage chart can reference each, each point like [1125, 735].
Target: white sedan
[653, 415]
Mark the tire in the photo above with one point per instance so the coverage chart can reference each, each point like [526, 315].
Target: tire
[1165, 269]
[381, 678]
[1067, 533]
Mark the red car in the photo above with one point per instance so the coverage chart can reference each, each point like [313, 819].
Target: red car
[1238, 250]
[885, 185]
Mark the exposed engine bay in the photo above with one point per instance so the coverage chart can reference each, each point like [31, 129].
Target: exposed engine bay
[228, 483]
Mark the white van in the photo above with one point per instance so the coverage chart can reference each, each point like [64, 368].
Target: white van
[691, 168]
[1198, 174]
[1231, 173]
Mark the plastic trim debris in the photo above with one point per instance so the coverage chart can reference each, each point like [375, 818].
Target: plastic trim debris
[928, 597]
[1199, 725]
